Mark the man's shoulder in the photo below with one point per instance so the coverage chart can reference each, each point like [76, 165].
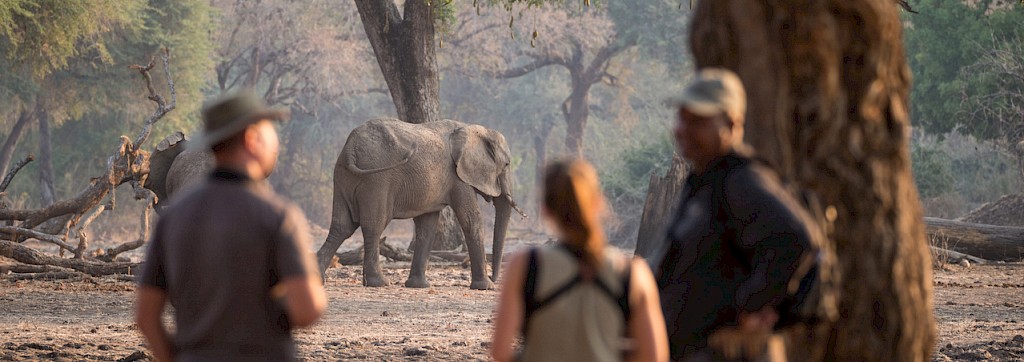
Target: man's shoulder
[245, 198]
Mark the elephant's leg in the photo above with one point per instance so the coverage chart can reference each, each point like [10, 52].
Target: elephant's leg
[468, 213]
[342, 228]
[426, 228]
[373, 276]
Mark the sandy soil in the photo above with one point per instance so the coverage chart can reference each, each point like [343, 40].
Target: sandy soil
[980, 310]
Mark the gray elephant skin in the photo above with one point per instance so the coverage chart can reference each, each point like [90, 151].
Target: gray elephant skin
[389, 169]
[173, 167]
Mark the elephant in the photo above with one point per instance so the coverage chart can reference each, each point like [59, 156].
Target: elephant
[389, 169]
[173, 166]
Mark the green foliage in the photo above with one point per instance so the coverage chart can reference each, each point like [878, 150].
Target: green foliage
[932, 171]
[941, 41]
[44, 34]
[628, 176]
[957, 173]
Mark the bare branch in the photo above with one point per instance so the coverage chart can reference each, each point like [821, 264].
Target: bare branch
[526, 69]
[14, 170]
[15, 231]
[906, 6]
[79, 229]
[161, 107]
[111, 253]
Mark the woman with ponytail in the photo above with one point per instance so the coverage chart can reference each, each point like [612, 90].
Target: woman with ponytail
[577, 300]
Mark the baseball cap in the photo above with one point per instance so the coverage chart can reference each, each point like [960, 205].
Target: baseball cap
[714, 91]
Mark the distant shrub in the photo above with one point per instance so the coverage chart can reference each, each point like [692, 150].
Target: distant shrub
[932, 171]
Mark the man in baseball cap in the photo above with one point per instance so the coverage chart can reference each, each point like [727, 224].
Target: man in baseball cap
[231, 255]
[735, 242]
[710, 115]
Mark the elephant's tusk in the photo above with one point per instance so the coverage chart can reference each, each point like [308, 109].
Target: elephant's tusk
[515, 207]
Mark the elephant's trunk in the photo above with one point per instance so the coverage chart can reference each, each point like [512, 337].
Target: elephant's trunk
[502, 213]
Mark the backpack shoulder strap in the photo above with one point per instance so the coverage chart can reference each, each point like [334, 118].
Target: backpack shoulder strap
[530, 288]
[623, 299]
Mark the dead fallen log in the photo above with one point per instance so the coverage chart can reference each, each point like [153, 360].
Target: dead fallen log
[28, 255]
[27, 268]
[989, 242]
[949, 256]
[355, 256]
[46, 276]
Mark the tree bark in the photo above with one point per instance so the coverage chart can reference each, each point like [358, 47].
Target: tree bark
[827, 84]
[577, 111]
[662, 196]
[989, 242]
[405, 51]
[11, 143]
[46, 190]
[449, 235]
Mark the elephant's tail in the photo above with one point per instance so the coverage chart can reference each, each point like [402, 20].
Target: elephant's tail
[355, 169]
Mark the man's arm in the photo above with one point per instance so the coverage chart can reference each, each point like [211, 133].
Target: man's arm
[300, 289]
[303, 299]
[149, 307]
[773, 230]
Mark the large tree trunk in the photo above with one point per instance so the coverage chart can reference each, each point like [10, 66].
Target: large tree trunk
[662, 196]
[11, 143]
[577, 111]
[827, 84]
[405, 51]
[540, 153]
[46, 189]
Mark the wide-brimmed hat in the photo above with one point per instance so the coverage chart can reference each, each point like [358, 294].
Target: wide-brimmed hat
[714, 91]
[230, 114]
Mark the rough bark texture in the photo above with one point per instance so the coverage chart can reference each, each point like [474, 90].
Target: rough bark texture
[662, 197]
[449, 235]
[984, 241]
[405, 52]
[828, 84]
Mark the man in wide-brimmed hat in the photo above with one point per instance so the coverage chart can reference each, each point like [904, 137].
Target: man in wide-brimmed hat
[737, 239]
[230, 255]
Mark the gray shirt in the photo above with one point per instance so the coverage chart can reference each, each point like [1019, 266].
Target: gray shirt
[217, 252]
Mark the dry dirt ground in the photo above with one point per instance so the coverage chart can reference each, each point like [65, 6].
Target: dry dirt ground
[980, 311]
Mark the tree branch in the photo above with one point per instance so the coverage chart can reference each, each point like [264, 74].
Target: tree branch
[906, 6]
[161, 107]
[15, 231]
[14, 170]
[526, 69]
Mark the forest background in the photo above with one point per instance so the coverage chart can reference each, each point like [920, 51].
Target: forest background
[67, 93]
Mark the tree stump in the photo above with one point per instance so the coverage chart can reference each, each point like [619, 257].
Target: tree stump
[662, 197]
[449, 235]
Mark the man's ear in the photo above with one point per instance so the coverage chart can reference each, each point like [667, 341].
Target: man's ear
[252, 138]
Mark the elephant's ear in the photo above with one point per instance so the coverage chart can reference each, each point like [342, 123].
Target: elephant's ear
[475, 161]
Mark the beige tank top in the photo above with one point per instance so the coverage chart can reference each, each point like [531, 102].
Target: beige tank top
[584, 323]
